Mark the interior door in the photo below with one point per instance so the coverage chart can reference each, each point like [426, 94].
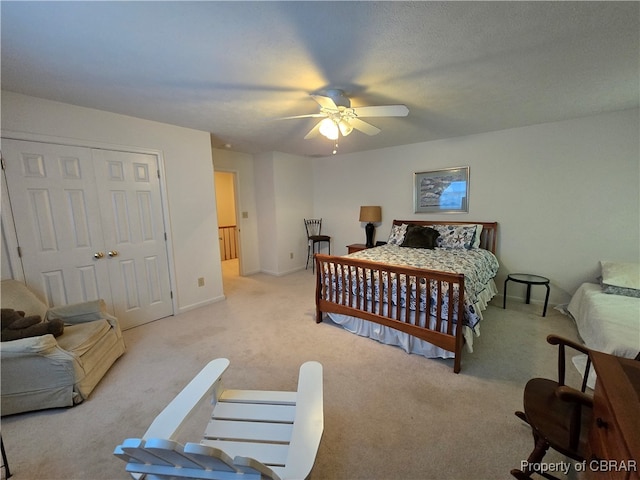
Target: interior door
[55, 207]
[89, 224]
[128, 187]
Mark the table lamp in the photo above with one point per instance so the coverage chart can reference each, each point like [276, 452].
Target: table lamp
[370, 215]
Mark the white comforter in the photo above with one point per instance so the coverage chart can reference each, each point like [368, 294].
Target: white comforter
[606, 322]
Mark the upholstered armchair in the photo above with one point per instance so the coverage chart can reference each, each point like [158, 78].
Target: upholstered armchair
[46, 371]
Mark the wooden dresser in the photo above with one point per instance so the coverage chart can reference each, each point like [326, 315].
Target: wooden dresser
[614, 438]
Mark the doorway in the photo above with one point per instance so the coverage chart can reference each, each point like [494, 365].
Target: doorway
[228, 227]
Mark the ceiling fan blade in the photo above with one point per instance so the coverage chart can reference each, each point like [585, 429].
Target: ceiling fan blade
[364, 127]
[325, 102]
[382, 111]
[310, 115]
[314, 132]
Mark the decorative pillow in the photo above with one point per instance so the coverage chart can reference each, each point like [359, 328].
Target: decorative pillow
[396, 237]
[456, 236]
[476, 237]
[420, 237]
[620, 278]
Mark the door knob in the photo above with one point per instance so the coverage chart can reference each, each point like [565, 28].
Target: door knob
[98, 255]
[112, 253]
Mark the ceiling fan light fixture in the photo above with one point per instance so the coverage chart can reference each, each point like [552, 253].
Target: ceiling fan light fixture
[340, 119]
[329, 129]
[345, 127]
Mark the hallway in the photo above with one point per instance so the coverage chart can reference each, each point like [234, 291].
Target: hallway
[230, 275]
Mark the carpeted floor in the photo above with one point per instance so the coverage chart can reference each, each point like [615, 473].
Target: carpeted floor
[388, 415]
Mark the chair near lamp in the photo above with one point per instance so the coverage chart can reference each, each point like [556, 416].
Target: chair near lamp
[313, 227]
[371, 215]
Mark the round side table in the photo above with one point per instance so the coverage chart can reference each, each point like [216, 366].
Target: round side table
[528, 280]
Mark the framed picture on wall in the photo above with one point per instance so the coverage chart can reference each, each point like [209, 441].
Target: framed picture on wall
[441, 191]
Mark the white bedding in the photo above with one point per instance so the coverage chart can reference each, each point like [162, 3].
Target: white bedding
[606, 322]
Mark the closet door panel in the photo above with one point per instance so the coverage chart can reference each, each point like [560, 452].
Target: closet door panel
[133, 226]
[53, 197]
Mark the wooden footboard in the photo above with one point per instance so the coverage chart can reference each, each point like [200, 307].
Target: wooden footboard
[374, 291]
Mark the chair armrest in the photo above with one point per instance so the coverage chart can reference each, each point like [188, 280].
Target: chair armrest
[556, 340]
[41, 347]
[37, 373]
[168, 423]
[308, 424]
[562, 342]
[33, 345]
[572, 395]
[80, 312]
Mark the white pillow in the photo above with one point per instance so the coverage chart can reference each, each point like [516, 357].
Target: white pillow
[619, 274]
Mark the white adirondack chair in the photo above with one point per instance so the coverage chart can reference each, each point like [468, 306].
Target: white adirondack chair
[252, 434]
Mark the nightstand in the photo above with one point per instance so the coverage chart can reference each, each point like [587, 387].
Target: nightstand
[356, 247]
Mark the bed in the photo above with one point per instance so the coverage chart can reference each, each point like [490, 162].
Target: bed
[411, 297]
[607, 314]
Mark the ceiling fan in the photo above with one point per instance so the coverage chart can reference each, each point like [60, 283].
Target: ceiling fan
[339, 118]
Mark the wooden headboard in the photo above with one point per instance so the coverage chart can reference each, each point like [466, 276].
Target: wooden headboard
[488, 237]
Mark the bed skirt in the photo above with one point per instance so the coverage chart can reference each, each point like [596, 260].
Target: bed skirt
[408, 343]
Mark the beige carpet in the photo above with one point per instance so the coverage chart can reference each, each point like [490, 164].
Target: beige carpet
[388, 415]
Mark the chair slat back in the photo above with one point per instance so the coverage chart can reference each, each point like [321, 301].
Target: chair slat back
[313, 226]
[252, 434]
[168, 459]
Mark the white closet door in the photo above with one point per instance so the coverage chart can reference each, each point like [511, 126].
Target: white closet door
[133, 227]
[89, 224]
[57, 220]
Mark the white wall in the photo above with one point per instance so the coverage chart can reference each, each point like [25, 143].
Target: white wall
[188, 176]
[266, 212]
[283, 189]
[565, 194]
[294, 202]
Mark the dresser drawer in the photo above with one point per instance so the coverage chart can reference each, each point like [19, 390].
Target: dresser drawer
[605, 448]
[604, 429]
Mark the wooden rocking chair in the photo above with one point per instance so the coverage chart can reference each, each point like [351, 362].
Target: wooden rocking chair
[252, 434]
[559, 415]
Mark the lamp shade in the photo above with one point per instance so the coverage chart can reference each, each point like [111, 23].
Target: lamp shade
[370, 214]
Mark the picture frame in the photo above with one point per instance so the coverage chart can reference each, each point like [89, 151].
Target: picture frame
[441, 191]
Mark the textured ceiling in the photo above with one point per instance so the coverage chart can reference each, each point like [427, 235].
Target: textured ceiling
[234, 68]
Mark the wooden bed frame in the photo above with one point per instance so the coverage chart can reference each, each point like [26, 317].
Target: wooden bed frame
[337, 273]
